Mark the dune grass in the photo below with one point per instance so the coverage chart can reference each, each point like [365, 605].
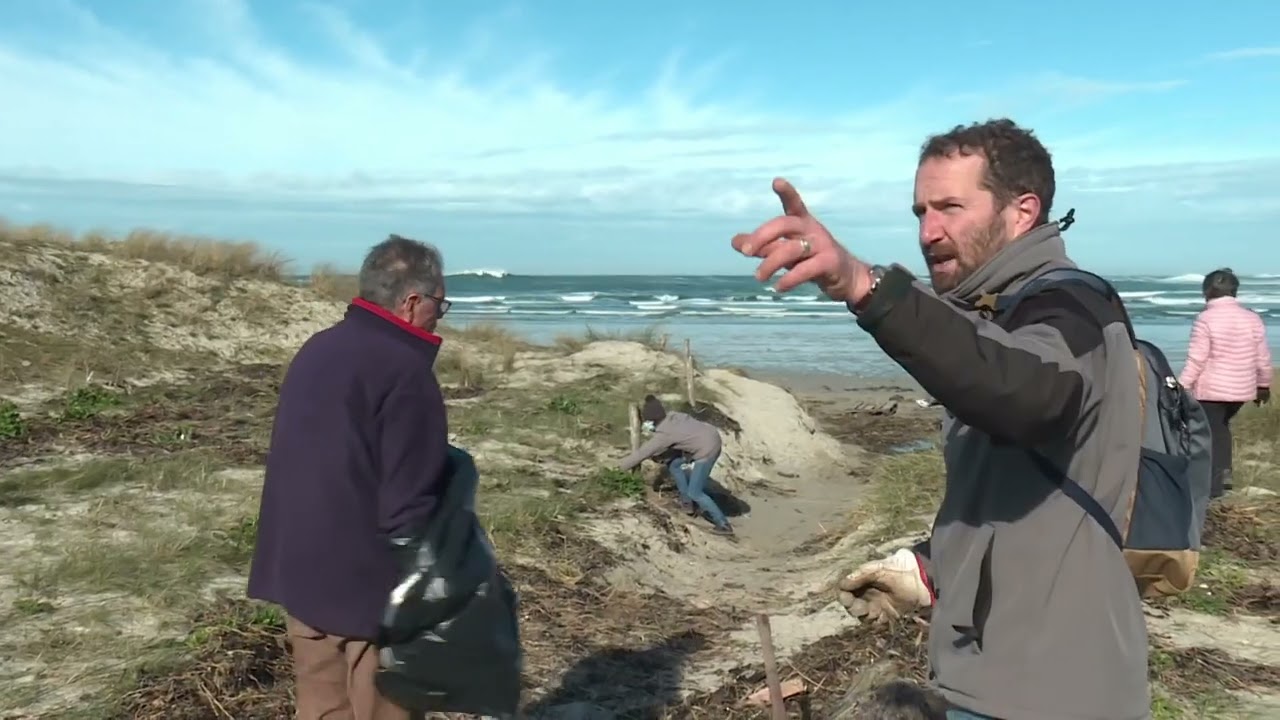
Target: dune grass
[1256, 431]
[229, 260]
[905, 489]
[903, 495]
[555, 446]
[106, 560]
[331, 284]
[200, 255]
[650, 336]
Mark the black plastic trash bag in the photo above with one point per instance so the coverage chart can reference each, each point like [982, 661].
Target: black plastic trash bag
[450, 639]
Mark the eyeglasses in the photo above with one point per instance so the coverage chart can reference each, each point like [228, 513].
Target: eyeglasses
[442, 305]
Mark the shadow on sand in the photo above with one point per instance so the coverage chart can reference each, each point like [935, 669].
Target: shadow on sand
[731, 505]
[620, 682]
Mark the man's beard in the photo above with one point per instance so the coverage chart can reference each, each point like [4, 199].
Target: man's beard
[981, 246]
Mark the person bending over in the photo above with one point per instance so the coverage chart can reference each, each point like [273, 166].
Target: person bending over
[696, 447]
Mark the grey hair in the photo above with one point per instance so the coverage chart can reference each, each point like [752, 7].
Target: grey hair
[900, 700]
[1220, 283]
[399, 266]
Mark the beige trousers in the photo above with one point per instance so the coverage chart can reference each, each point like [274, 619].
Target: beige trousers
[334, 677]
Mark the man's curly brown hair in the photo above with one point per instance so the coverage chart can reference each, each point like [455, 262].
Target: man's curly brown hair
[1017, 162]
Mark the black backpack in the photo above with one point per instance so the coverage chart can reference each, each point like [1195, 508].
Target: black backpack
[1165, 516]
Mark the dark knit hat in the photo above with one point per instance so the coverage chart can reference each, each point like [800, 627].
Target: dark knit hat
[652, 411]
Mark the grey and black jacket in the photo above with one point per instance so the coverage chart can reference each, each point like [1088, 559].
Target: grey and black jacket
[1036, 613]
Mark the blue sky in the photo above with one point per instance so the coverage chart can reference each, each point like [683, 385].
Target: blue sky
[569, 137]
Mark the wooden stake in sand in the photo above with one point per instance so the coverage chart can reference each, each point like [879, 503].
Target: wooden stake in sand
[688, 372]
[633, 413]
[771, 668]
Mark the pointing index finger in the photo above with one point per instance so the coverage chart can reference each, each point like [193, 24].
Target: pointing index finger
[790, 197]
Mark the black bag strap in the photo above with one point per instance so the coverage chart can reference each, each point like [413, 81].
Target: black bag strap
[1073, 490]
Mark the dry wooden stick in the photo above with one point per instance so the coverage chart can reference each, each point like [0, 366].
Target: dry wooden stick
[688, 372]
[633, 417]
[771, 668]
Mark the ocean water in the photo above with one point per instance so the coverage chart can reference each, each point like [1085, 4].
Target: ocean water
[734, 320]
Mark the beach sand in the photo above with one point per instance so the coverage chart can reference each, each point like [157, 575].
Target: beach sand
[880, 414]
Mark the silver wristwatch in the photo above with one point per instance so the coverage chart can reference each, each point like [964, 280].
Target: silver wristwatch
[877, 273]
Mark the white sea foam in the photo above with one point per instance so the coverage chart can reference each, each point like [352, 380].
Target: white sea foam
[1187, 278]
[734, 302]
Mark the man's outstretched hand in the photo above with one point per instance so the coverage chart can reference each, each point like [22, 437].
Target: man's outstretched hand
[798, 242]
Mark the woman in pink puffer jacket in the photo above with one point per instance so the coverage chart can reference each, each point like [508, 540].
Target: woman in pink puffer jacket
[1228, 365]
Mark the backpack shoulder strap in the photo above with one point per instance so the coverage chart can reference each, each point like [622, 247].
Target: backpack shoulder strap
[1080, 496]
[1004, 303]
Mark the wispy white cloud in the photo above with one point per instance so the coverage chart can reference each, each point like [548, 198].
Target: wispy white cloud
[1085, 90]
[248, 116]
[1246, 53]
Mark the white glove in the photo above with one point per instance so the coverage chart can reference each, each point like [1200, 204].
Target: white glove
[885, 589]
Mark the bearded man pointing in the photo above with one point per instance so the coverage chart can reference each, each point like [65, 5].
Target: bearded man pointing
[1035, 612]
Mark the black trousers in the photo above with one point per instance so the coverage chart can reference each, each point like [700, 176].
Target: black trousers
[1219, 415]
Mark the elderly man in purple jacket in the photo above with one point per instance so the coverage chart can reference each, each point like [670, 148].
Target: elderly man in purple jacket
[357, 455]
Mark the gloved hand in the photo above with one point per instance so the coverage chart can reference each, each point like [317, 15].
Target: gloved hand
[1263, 397]
[885, 589]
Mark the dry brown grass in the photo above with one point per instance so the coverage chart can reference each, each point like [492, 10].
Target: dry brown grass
[498, 341]
[236, 666]
[905, 492]
[69, 312]
[476, 356]
[1257, 442]
[650, 336]
[200, 255]
[331, 284]
[106, 559]
[28, 357]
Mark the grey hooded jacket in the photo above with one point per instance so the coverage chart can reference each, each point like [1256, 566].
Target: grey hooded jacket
[689, 436]
[1036, 613]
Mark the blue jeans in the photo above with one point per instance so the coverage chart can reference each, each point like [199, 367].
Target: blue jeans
[693, 486]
